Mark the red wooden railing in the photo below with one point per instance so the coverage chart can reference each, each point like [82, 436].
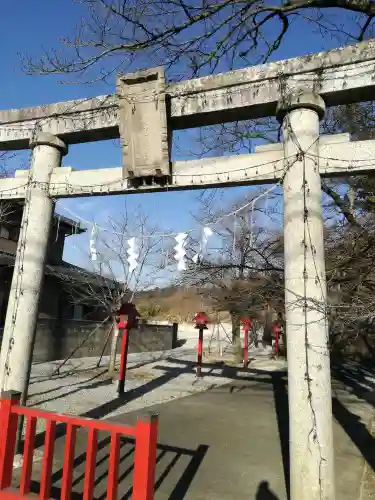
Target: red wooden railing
[145, 432]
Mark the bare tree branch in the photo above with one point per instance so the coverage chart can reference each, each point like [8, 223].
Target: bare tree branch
[201, 37]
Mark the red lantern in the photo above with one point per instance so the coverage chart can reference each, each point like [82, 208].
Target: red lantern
[246, 323]
[201, 320]
[127, 316]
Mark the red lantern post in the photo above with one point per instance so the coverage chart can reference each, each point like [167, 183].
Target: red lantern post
[126, 319]
[201, 321]
[247, 324]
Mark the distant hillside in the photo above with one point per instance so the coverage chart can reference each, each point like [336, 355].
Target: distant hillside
[173, 304]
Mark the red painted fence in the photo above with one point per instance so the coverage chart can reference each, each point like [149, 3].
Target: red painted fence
[145, 432]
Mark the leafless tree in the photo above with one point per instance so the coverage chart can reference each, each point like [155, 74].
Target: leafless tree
[7, 208]
[3, 157]
[107, 283]
[351, 284]
[242, 270]
[198, 36]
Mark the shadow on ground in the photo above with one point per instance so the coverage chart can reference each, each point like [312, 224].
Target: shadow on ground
[358, 379]
[352, 377]
[265, 493]
[105, 409]
[169, 455]
[73, 388]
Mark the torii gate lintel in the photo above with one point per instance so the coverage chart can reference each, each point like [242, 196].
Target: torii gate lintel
[338, 156]
[340, 76]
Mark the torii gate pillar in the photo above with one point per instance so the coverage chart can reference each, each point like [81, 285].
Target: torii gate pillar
[23, 305]
[309, 379]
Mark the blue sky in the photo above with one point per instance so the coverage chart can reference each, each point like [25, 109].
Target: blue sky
[27, 26]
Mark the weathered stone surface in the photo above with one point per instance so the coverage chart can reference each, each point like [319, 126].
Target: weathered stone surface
[81, 120]
[47, 139]
[300, 99]
[306, 325]
[340, 76]
[28, 272]
[143, 123]
[338, 156]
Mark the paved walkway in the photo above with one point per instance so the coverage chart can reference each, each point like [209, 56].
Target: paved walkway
[230, 441]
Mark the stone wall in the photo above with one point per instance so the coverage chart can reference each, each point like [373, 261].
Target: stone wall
[55, 340]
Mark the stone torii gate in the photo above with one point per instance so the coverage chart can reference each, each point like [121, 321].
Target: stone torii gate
[143, 113]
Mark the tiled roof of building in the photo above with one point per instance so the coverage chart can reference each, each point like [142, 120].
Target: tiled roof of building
[67, 272]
